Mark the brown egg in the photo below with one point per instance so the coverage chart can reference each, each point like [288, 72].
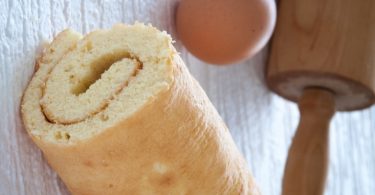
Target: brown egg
[225, 31]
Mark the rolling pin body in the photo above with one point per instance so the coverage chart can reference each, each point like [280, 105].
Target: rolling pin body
[323, 53]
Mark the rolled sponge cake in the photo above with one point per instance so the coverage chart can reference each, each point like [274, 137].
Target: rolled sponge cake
[117, 112]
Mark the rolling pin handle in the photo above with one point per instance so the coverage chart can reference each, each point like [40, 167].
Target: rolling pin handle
[306, 167]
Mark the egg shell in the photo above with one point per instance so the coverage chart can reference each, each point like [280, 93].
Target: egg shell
[225, 31]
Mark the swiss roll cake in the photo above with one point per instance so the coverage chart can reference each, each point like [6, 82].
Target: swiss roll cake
[117, 112]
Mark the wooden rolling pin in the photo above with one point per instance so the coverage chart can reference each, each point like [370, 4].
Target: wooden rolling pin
[323, 57]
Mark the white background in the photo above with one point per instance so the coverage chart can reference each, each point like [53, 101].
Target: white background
[261, 123]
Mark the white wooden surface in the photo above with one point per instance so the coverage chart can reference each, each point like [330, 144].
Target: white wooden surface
[261, 123]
